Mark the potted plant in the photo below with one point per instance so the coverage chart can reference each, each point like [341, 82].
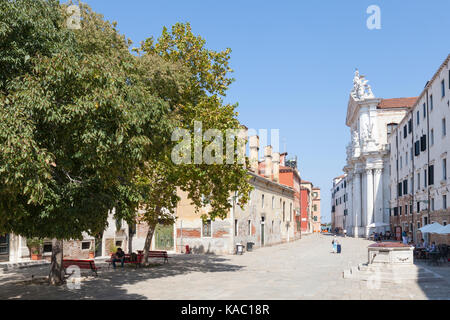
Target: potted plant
[35, 247]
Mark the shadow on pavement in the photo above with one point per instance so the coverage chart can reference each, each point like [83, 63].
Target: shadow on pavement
[109, 283]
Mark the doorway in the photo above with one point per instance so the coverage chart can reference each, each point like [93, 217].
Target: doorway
[4, 247]
[164, 237]
[262, 231]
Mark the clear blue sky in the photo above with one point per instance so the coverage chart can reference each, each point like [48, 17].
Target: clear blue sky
[294, 61]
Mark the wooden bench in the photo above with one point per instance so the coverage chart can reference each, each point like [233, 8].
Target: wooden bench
[140, 257]
[82, 264]
[127, 260]
[158, 254]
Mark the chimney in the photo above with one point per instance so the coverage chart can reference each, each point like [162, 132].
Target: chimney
[283, 158]
[276, 167]
[242, 140]
[254, 150]
[268, 162]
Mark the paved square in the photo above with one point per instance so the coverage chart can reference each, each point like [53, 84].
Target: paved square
[305, 269]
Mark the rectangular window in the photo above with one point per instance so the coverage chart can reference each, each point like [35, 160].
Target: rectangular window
[399, 189]
[85, 245]
[431, 137]
[431, 175]
[425, 177]
[431, 102]
[405, 132]
[207, 228]
[405, 187]
[423, 143]
[249, 227]
[417, 148]
[401, 162]
[424, 111]
[418, 206]
[418, 117]
[432, 204]
[444, 128]
[443, 88]
[410, 126]
[48, 247]
[235, 227]
[444, 201]
[406, 209]
[418, 181]
[444, 169]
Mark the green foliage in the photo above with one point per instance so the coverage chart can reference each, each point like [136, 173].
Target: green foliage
[76, 121]
[35, 245]
[205, 73]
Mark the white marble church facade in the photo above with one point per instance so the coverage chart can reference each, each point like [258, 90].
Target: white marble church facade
[370, 120]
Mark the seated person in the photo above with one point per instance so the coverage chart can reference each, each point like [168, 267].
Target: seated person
[421, 244]
[433, 247]
[118, 256]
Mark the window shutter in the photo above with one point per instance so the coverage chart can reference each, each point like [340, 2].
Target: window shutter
[423, 143]
[431, 175]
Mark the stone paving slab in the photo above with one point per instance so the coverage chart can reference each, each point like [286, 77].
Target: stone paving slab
[304, 269]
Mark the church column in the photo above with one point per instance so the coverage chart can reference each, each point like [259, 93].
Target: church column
[356, 203]
[363, 217]
[378, 193]
[349, 218]
[369, 196]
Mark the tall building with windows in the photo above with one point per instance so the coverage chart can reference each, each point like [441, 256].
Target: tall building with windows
[371, 120]
[420, 149]
[339, 205]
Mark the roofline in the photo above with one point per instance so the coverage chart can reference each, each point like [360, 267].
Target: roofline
[271, 181]
[428, 85]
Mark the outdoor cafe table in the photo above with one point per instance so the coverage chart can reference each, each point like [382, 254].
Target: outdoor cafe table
[421, 253]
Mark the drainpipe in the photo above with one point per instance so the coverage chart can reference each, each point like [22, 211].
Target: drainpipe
[397, 174]
[428, 157]
[412, 173]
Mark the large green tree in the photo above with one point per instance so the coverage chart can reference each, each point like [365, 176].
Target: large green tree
[193, 83]
[76, 122]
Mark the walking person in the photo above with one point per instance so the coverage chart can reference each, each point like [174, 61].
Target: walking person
[404, 237]
[334, 243]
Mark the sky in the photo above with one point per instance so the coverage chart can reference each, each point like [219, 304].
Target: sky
[294, 61]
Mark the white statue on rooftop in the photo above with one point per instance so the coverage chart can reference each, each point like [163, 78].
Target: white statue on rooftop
[361, 90]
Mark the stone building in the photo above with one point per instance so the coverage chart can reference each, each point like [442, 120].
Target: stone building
[266, 220]
[339, 204]
[370, 120]
[420, 147]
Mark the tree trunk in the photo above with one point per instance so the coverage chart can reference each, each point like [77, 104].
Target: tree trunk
[56, 276]
[148, 241]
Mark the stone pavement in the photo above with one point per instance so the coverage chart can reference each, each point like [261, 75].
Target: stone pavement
[304, 269]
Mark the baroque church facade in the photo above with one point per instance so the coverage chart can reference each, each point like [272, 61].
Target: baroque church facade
[367, 184]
